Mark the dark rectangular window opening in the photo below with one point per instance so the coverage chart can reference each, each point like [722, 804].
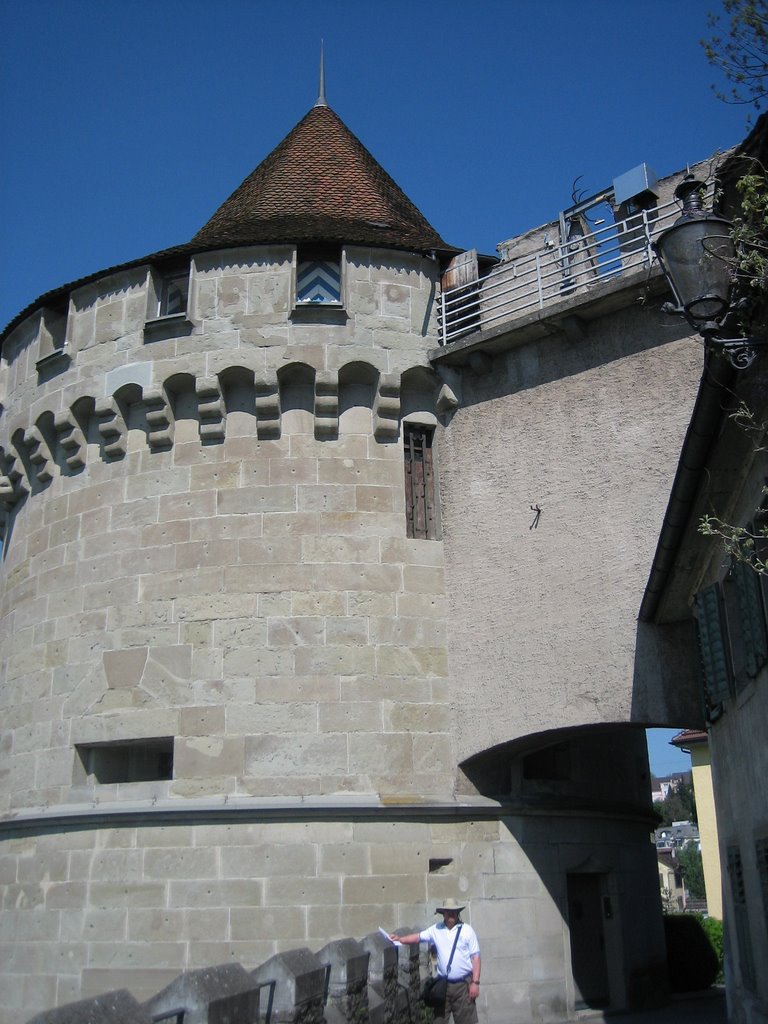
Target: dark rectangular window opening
[146, 760]
[420, 507]
[436, 864]
[552, 764]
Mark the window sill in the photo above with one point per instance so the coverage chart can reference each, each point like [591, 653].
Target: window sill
[319, 313]
[52, 364]
[174, 326]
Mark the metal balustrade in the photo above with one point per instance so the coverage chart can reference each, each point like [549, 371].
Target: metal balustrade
[553, 272]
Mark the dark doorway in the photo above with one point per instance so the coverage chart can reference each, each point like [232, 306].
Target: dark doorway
[588, 960]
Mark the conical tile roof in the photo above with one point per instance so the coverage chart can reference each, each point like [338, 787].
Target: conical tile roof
[320, 185]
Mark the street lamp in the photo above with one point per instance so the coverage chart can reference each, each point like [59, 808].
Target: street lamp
[697, 256]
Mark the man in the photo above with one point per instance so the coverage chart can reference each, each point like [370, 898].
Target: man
[464, 975]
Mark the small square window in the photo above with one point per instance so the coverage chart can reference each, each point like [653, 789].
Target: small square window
[318, 278]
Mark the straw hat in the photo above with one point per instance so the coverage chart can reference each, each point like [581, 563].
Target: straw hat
[450, 904]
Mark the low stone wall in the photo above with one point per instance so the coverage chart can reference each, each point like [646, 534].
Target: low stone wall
[346, 982]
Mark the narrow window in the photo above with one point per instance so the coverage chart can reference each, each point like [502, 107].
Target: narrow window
[174, 293]
[420, 517]
[318, 278]
[145, 760]
[741, 918]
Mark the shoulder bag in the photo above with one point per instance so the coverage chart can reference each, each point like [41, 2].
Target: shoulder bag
[435, 989]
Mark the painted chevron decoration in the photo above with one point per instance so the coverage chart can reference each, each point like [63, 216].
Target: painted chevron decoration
[318, 281]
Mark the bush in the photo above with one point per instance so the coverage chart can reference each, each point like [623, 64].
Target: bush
[691, 958]
[714, 930]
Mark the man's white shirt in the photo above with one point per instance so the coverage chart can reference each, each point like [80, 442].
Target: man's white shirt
[443, 939]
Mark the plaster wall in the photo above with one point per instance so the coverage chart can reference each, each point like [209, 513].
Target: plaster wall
[543, 631]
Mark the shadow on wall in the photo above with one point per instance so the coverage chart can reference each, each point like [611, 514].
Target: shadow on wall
[577, 802]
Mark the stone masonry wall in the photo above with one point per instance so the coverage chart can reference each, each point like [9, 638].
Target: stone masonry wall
[88, 911]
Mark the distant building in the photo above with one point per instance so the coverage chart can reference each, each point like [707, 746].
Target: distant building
[696, 742]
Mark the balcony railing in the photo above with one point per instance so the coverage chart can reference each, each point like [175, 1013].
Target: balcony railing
[536, 279]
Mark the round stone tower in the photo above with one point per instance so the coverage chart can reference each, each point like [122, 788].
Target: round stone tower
[229, 728]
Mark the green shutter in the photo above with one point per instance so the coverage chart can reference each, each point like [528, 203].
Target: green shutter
[713, 647]
[751, 616]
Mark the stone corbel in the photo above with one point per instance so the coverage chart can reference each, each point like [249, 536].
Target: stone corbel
[326, 404]
[267, 398]
[386, 408]
[211, 409]
[112, 428]
[71, 439]
[159, 415]
[39, 454]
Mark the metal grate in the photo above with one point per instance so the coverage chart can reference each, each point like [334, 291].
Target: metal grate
[421, 521]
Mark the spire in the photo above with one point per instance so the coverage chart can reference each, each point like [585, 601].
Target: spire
[320, 185]
[321, 101]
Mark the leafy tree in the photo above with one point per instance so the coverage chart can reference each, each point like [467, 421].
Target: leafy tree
[679, 805]
[742, 53]
[689, 859]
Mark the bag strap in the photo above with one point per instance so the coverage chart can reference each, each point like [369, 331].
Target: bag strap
[450, 961]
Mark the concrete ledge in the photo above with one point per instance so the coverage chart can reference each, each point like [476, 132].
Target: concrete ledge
[353, 807]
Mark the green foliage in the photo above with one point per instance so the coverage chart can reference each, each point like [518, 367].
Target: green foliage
[714, 932]
[680, 805]
[691, 959]
[750, 297]
[741, 53]
[692, 870]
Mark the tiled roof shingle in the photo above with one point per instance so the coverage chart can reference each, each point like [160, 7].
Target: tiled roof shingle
[320, 184]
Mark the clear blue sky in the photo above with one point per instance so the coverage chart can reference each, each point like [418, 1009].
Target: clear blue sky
[125, 123]
[665, 759]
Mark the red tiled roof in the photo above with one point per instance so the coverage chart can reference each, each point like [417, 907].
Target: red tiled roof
[319, 185]
[689, 736]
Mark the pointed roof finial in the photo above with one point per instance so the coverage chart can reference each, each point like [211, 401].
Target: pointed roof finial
[321, 101]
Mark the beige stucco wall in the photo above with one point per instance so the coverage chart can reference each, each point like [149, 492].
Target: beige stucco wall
[701, 769]
[544, 630]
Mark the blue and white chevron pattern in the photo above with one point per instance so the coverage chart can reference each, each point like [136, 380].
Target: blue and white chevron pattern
[318, 281]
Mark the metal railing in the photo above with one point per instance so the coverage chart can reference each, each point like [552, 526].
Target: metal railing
[555, 271]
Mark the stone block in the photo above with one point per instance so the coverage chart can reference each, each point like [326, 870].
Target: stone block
[118, 1007]
[290, 923]
[248, 500]
[344, 660]
[262, 861]
[344, 859]
[208, 756]
[299, 986]
[325, 497]
[348, 977]
[299, 754]
[210, 995]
